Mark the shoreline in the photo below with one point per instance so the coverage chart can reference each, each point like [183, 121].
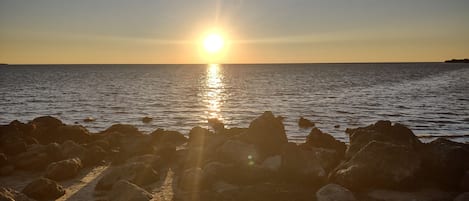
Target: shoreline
[254, 163]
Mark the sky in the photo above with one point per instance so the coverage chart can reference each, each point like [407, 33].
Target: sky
[255, 31]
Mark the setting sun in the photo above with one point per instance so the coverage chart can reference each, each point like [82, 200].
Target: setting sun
[213, 43]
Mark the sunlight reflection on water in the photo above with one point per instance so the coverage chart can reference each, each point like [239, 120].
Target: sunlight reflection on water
[215, 89]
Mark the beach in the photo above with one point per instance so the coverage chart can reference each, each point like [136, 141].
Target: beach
[46, 159]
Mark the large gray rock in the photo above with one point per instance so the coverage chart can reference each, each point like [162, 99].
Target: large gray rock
[125, 191]
[191, 180]
[445, 162]
[71, 149]
[301, 166]
[37, 157]
[267, 133]
[44, 189]
[164, 138]
[44, 129]
[334, 192]
[76, 133]
[65, 169]
[138, 173]
[381, 131]
[318, 139]
[378, 164]
[273, 163]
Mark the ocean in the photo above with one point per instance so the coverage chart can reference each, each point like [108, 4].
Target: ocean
[431, 98]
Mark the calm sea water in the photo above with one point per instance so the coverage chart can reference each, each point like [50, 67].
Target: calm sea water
[431, 98]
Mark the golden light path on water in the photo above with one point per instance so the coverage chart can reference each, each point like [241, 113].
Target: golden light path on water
[215, 89]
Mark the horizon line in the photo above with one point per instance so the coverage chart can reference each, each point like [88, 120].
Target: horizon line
[241, 63]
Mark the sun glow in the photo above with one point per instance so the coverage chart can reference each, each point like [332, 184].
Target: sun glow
[213, 43]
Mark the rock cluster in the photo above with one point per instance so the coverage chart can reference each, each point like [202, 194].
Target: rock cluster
[381, 161]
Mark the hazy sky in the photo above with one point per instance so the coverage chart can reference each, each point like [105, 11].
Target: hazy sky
[151, 31]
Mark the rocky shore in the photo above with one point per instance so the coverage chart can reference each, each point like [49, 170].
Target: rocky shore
[45, 159]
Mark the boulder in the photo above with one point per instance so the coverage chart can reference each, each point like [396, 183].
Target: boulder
[328, 158]
[65, 169]
[3, 160]
[126, 191]
[198, 136]
[378, 164]
[138, 173]
[334, 192]
[191, 180]
[7, 170]
[44, 129]
[305, 123]
[148, 159]
[164, 138]
[464, 186]
[123, 129]
[216, 124]
[300, 166]
[445, 162]
[8, 194]
[37, 157]
[267, 133]
[44, 189]
[234, 151]
[76, 133]
[381, 131]
[71, 149]
[94, 156]
[14, 148]
[462, 197]
[317, 138]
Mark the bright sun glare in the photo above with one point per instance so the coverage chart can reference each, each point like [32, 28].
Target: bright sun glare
[213, 43]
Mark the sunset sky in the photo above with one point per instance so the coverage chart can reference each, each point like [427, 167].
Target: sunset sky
[255, 31]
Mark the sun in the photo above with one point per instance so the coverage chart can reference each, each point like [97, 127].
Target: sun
[213, 43]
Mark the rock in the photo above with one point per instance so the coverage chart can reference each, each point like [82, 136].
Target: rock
[3, 160]
[164, 138]
[317, 138]
[65, 169]
[305, 123]
[421, 195]
[272, 163]
[70, 149]
[138, 173]
[8, 194]
[462, 197]
[166, 153]
[216, 124]
[191, 180]
[300, 166]
[134, 146]
[234, 151]
[267, 133]
[44, 129]
[94, 156]
[149, 159]
[381, 131]
[44, 189]
[76, 133]
[47, 121]
[222, 187]
[445, 162]
[125, 191]
[37, 157]
[14, 148]
[89, 119]
[147, 119]
[376, 165]
[464, 186]
[198, 136]
[337, 126]
[328, 158]
[7, 170]
[334, 192]
[123, 129]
